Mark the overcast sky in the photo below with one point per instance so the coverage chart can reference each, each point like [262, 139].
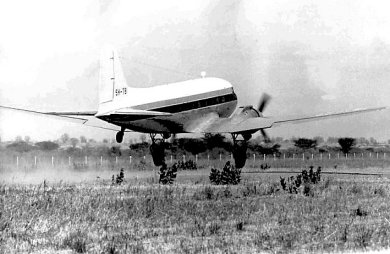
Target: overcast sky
[310, 56]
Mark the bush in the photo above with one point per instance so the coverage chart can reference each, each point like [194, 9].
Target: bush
[118, 180]
[305, 179]
[167, 174]
[229, 175]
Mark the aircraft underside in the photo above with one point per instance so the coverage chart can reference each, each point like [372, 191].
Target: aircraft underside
[161, 129]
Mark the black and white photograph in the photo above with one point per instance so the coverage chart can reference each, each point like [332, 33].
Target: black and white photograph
[207, 126]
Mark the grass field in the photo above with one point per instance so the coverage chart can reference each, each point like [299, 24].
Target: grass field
[62, 209]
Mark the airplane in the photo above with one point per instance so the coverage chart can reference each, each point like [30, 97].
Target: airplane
[203, 105]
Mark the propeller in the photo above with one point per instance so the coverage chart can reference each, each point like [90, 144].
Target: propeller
[265, 136]
[264, 100]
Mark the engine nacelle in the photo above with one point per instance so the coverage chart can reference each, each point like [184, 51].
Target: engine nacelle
[247, 112]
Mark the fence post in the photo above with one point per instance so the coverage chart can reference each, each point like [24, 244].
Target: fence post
[208, 157]
[354, 155]
[346, 156]
[329, 156]
[320, 156]
[254, 158]
[35, 161]
[101, 160]
[130, 159]
[196, 158]
[86, 160]
[116, 159]
[69, 160]
[284, 156]
[52, 160]
[293, 156]
[338, 155]
[384, 155]
[312, 156]
[274, 157]
[231, 156]
[17, 161]
[377, 155]
[264, 157]
[303, 157]
[171, 158]
[370, 155]
[220, 157]
[184, 158]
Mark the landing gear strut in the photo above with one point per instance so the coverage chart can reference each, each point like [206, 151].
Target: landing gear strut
[119, 135]
[239, 149]
[157, 149]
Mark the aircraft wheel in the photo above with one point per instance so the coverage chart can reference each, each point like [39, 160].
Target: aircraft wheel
[239, 154]
[119, 136]
[158, 154]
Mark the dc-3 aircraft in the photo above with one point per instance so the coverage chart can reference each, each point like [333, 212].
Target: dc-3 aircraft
[204, 105]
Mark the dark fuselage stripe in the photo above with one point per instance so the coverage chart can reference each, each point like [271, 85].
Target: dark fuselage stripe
[182, 100]
[197, 104]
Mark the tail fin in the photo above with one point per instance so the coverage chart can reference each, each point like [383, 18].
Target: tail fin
[112, 82]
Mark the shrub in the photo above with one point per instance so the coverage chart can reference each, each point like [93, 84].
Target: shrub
[167, 174]
[229, 175]
[118, 180]
[305, 179]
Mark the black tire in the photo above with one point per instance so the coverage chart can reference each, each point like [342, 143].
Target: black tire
[158, 154]
[119, 137]
[239, 154]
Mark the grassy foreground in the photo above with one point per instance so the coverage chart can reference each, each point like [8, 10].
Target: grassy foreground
[143, 217]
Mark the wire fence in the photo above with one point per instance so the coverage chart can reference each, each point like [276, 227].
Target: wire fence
[254, 160]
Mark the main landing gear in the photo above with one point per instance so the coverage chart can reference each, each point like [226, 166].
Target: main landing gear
[157, 149]
[119, 135]
[239, 149]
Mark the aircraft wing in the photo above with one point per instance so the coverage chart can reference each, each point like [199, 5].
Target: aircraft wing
[82, 117]
[237, 125]
[293, 120]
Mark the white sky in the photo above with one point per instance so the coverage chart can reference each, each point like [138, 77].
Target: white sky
[47, 45]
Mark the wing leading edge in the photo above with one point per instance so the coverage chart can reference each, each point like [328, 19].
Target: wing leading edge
[231, 125]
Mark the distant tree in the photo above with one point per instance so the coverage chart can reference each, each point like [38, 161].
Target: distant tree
[74, 142]
[194, 146]
[20, 146]
[305, 143]
[18, 138]
[214, 140]
[143, 138]
[47, 145]
[331, 140]
[346, 144]
[91, 140]
[64, 138]
[105, 141]
[362, 141]
[373, 141]
[27, 139]
[83, 139]
[388, 141]
[319, 139]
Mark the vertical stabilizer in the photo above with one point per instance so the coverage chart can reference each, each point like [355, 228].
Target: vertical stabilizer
[112, 82]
